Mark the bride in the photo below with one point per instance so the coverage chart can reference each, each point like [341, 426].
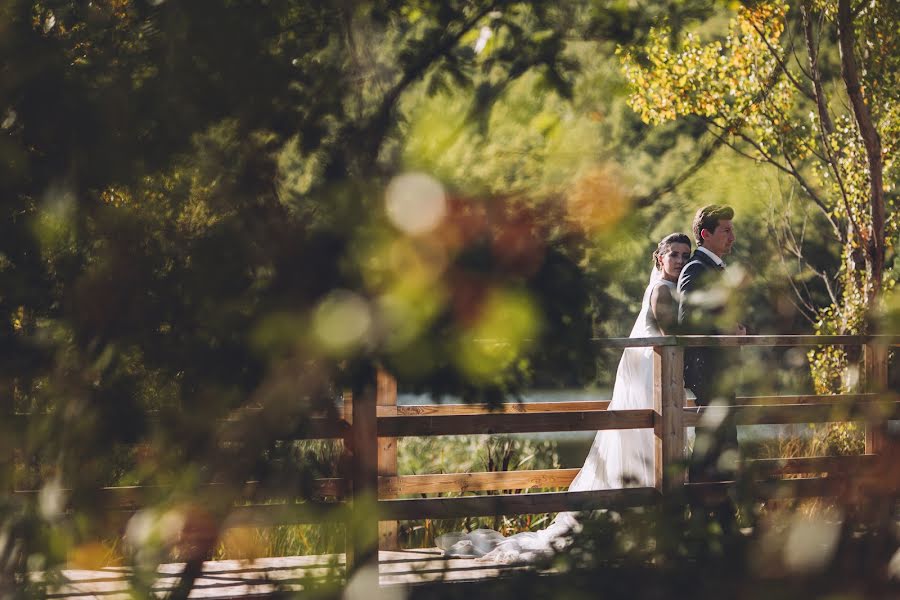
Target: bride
[617, 458]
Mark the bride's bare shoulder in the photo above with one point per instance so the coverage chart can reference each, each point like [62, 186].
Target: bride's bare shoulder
[661, 291]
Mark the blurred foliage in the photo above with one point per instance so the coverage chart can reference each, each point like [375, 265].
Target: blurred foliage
[218, 214]
[660, 552]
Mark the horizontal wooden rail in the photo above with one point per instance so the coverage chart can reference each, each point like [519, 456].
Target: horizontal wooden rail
[778, 489]
[560, 478]
[487, 409]
[833, 465]
[233, 429]
[714, 492]
[391, 487]
[132, 498]
[554, 414]
[801, 399]
[589, 405]
[501, 504]
[592, 420]
[785, 414]
[723, 341]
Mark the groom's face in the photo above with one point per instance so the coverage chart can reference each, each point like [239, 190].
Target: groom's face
[721, 239]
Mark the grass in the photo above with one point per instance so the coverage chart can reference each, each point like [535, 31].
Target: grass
[283, 540]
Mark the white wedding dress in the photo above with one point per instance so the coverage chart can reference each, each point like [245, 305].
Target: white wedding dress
[618, 458]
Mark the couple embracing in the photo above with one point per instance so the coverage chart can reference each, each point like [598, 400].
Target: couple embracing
[687, 294]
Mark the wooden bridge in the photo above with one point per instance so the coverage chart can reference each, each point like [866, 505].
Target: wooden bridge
[372, 422]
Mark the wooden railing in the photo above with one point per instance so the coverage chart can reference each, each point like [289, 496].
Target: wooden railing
[372, 422]
[669, 418]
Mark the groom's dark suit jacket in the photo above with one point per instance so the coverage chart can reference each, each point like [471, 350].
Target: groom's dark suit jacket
[702, 303]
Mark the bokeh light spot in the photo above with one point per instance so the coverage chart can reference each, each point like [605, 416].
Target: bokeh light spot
[342, 322]
[505, 328]
[415, 203]
[597, 201]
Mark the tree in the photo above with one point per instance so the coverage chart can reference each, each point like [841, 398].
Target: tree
[812, 91]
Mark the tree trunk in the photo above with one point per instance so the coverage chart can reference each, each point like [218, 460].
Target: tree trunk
[874, 244]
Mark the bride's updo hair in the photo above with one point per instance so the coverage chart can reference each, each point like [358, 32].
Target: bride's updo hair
[663, 246]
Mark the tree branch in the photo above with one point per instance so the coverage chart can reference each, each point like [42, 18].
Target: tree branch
[782, 65]
[838, 231]
[827, 125]
[373, 130]
[734, 124]
[672, 184]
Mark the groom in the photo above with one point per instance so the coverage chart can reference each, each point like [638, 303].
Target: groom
[703, 310]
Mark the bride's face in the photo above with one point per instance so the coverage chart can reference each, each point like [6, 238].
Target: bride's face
[673, 260]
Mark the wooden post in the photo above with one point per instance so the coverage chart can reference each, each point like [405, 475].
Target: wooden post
[348, 406]
[668, 401]
[387, 458]
[875, 371]
[9, 443]
[362, 529]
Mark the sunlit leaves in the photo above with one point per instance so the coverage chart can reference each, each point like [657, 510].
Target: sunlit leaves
[707, 79]
[753, 88]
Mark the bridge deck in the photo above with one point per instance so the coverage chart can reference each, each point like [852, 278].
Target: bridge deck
[242, 579]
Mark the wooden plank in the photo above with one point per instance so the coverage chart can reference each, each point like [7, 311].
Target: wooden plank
[127, 498]
[429, 565]
[135, 497]
[8, 434]
[799, 413]
[232, 429]
[391, 487]
[387, 457]
[840, 465]
[347, 410]
[875, 375]
[592, 420]
[485, 409]
[804, 399]
[362, 549]
[811, 487]
[721, 341]
[668, 401]
[280, 577]
[510, 504]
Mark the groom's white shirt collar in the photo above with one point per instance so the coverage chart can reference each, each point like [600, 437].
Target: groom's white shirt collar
[712, 255]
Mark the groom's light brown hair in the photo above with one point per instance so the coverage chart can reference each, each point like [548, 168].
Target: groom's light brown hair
[708, 218]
